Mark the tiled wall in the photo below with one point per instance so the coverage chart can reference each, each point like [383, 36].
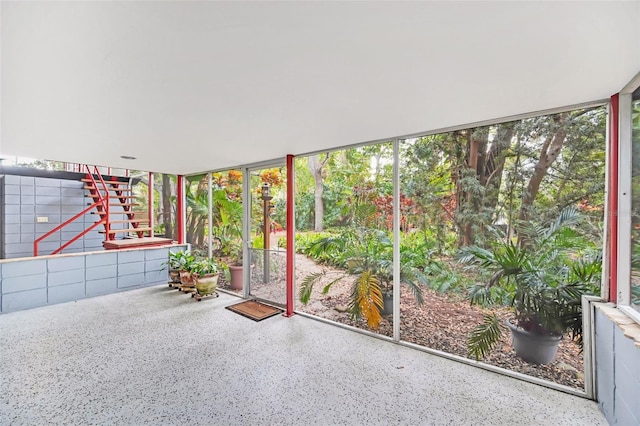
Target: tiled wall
[25, 198]
[47, 280]
[617, 373]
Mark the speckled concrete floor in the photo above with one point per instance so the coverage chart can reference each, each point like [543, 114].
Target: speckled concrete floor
[155, 356]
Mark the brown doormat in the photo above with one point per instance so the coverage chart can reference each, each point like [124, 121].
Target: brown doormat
[255, 310]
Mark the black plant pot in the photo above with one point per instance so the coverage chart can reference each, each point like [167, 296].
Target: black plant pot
[534, 348]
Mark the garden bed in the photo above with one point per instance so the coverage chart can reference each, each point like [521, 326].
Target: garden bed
[443, 322]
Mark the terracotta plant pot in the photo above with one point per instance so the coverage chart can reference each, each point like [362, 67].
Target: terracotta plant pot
[174, 275]
[186, 278]
[236, 272]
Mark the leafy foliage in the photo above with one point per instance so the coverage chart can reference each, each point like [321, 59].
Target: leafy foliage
[542, 280]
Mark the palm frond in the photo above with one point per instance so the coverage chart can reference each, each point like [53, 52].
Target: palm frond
[366, 299]
[306, 287]
[484, 337]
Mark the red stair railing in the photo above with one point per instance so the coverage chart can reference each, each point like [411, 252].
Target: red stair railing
[103, 201]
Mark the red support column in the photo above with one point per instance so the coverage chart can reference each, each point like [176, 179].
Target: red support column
[614, 147]
[290, 235]
[180, 217]
[150, 196]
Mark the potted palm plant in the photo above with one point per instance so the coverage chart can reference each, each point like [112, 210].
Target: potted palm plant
[366, 256]
[542, 279]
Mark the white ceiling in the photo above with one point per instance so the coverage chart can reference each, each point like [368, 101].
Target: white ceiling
[193, 86]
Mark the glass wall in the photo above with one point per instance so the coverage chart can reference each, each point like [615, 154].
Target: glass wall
[344, 239]
[635, 200]
[504, 223]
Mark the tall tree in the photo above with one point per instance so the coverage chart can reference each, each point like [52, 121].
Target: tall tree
[318, 171]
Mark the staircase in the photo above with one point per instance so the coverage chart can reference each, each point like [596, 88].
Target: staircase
[113, 202]
[117, 212]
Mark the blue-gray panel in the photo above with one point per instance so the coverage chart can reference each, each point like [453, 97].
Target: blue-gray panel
[47, 209]
[101, 272]
[27, 238]
[103, 286]
[12, 218]
[155, 265]
[29, 267]
[69, 211]
[27, 199]
[101, 259]
[624, 412]
[66, 293]
[78, 200]
[14, 238]
[65, 183]
[48, 191]
[27, 190]
[13, 228]
[604, 344]
[12, 179]
[65, 263]
[27, 228]
[155, 277]
[12, 199]
[28, 209]
[47, 182]
[629, 355]
[130, 256]
[24, 300]
[13, 209]
[12, 189]
[72, 192]
[128, 281]
[48, 199]
[75, 226]
[19, 248]
[27, 219]
[130, 268]
[50, 244]
[42, 228]
[71, 276]
[27, 180]
[23, 283]
[154, 254]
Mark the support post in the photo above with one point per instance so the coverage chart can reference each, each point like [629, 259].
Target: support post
[290, 235]
[180, 213]
[150, 210]
[614, 147]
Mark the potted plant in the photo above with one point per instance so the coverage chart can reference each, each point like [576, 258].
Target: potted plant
[174, 264]
[365, 255]
[179, 264]
[205, 273]
[542, 279]
[235, 264]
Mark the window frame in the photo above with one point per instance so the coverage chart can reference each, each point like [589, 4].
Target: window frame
[625, 162]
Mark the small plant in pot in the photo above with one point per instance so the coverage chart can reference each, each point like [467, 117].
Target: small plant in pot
[179, 261]
[235, 265]
[205, 273]
[542, 279]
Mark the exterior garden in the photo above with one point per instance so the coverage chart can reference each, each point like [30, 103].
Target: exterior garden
[500, 231]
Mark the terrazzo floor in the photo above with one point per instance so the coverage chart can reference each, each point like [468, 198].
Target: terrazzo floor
[155, 356]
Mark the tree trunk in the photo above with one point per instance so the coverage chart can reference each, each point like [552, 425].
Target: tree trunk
[316, 167]
[166, 206]
[550, 151]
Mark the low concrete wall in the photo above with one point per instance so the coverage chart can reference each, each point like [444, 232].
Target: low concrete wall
[617, 366]
[32, 282]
